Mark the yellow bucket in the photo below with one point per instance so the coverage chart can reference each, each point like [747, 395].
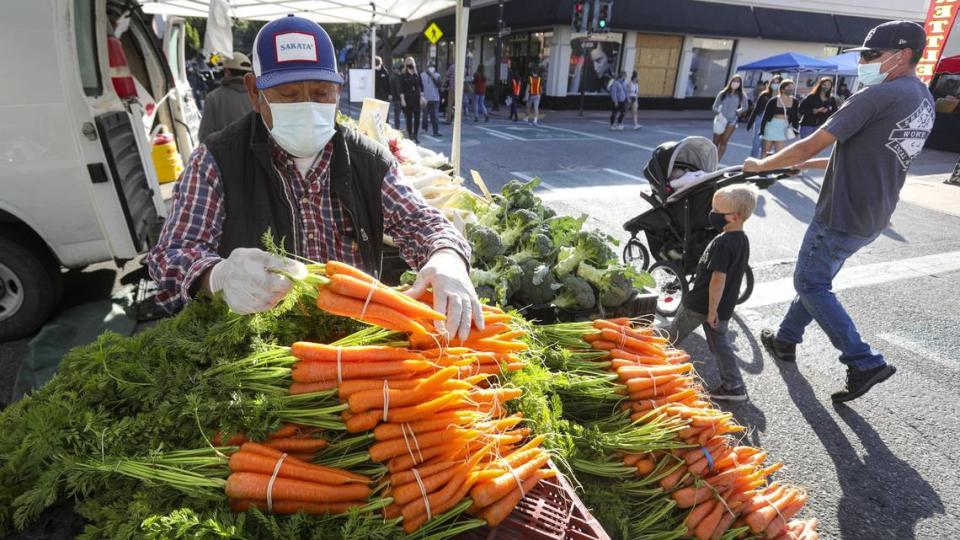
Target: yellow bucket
[166, 159]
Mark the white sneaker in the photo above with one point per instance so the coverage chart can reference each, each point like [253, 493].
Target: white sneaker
[536, 122]
[613, 127]
[635, 128]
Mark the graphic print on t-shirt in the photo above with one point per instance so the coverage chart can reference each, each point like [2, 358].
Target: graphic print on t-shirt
[907, 139]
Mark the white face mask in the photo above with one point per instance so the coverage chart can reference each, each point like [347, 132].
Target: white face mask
[431, 70]
[734, 85]
[302, 128]
[870, 74]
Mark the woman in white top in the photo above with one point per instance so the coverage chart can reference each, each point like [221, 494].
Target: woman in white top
[633, 98]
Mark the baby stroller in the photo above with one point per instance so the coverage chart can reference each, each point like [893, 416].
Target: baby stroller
[683, 179]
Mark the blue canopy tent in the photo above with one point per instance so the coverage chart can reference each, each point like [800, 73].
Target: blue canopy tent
[846, 63]
[790, 62]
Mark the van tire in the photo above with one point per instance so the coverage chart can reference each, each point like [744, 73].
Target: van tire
[32, 276]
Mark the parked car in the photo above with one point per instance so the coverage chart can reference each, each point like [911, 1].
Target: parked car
[85, 82]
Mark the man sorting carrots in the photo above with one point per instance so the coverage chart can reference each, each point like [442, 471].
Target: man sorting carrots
[327, 190]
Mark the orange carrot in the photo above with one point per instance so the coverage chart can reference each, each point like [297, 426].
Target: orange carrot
[698, 513]
[641, 334]
[671, 480]
[292, 507]
[405, 477]
[708, 524]
[327, 371]
[419, 506]
[495, 345]
[352, 287]
[633, 344]
[661, 390]
[244, 461]
[723, 526]
[391, 430]
[689, 497]
[293, 444]
[245, 485]
[406, 462]
[382, 451]
[321, 352]
[383, 316]
[336, 267]
[634, 358]
[645, 466]
[485, 494]
[407, 492]
[649, 404]
[376, 398]
[499, 510]
[631, 372]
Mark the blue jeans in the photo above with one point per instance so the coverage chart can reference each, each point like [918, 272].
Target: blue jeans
[756, 148]
[481, 106]
[430, 114]
[821, 256]
[806, 131]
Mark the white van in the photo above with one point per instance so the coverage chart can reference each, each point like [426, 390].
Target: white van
[81, 92]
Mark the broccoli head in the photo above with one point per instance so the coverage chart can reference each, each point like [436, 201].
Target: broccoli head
[519, 195]
[589, 247]
[485, 243]
[505, 278]
[538, 286]
[516, 225]
[535, 246]
[575, 293]
[615, 283]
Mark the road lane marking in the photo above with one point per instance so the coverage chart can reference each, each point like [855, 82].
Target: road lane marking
[626, 175]
[591, 135]
[430, 137]
[915, 347]
[522, 176]
[496, 133]
[781, 290]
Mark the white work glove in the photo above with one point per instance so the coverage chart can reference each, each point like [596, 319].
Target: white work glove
[453, 293]
[247, 282]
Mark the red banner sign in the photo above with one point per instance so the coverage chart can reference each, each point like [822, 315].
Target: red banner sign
[940, 19]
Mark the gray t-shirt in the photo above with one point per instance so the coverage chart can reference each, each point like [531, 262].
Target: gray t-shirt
[879, 131]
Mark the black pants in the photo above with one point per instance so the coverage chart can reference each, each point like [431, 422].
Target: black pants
[412, 114]
[397, 109]
[618, 108]
[514, 107]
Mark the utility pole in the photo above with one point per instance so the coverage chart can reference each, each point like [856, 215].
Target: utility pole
[498, 57]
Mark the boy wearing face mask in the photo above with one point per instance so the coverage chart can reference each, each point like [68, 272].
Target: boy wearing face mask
[716, 287]
[875, 135]
[325, 190]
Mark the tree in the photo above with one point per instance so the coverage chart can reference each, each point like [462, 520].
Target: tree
[192, 40]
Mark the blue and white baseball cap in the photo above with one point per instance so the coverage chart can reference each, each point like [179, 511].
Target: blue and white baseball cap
[293, 49]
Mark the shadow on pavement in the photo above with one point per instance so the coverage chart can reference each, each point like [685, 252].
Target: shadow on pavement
[882, 496]
[797, 204]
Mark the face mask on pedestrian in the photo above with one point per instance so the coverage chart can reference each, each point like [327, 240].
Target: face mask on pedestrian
[717, 220]
[788, 91]
[734, 85]
[826, 90]
[302, 128]
[431, 70]
[774, 86]
[410, 67]
[872, 74]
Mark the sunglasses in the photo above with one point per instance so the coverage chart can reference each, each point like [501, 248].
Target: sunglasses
[872, 54]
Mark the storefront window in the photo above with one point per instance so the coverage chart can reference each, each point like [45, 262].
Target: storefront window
[489, 57]
[709, 66]
[594, 62]
[541, 43]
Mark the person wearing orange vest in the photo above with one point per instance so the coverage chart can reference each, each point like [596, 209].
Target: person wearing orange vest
[516, 85]
[534, 90]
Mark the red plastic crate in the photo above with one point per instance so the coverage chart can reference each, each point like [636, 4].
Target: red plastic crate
[552, 511]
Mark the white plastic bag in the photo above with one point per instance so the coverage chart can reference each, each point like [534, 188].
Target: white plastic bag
[719, 124]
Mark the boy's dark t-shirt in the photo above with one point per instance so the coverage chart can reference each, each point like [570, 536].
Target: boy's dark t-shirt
[727, 253]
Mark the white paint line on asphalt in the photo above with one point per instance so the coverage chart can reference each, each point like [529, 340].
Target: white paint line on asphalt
[611, 139]
[522, 176]
[915, 347]
[496, 133]
[430, 137]
[781, 290]
[627, 175]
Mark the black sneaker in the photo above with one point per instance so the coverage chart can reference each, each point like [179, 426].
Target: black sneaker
[861, 381]
[723, 393]
[785, 352]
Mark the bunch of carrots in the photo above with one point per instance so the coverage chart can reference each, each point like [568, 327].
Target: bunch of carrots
[301, 442]
[433, 407]
[721, 485]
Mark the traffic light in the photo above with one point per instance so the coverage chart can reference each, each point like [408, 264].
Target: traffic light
[579, 23]
[604, 11]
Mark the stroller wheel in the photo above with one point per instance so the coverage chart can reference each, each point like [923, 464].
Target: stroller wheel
[746, 286]
[670, 286]
[635, 254]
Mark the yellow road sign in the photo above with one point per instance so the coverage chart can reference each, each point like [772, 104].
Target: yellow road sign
[433, 33]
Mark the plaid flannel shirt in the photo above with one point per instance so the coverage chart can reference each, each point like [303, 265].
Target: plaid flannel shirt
[188, 243]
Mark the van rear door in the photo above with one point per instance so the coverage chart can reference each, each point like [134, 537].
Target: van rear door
[174, 39]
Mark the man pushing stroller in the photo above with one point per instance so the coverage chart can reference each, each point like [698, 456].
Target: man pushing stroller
[716, 287]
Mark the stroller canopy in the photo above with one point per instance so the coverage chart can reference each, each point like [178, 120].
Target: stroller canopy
[691, 154]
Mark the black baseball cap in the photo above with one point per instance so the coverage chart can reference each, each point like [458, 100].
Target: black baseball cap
[895, 35]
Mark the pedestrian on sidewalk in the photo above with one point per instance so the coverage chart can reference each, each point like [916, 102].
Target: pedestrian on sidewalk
[230, 102]
[534, 88]
[430, 80]
[817, 107]
[449, 84]
[711, 301]
[633, 99]
[395, 98]
[878, 132]
[756, 115]
[480, 95]
[781, 118]
[618, 96]
[728, 106]
[411, 98]
[381, 81]
[516, 86]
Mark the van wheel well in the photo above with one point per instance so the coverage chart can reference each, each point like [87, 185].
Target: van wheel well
[15, 230]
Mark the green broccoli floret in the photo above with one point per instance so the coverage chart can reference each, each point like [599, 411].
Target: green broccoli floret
[516, 224]
[590, 247]
[504, 278]
[575, 293]
[539, 286]
[520, 195]
[615, 283]
[485, 243]
[535, 246]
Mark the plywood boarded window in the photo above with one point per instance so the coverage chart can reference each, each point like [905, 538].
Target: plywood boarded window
[658, 57]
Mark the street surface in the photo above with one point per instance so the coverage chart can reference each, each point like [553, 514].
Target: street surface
[883, 467]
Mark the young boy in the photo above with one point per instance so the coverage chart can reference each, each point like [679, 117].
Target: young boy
[713, 296]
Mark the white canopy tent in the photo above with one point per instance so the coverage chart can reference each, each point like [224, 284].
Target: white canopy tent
[370, 12]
